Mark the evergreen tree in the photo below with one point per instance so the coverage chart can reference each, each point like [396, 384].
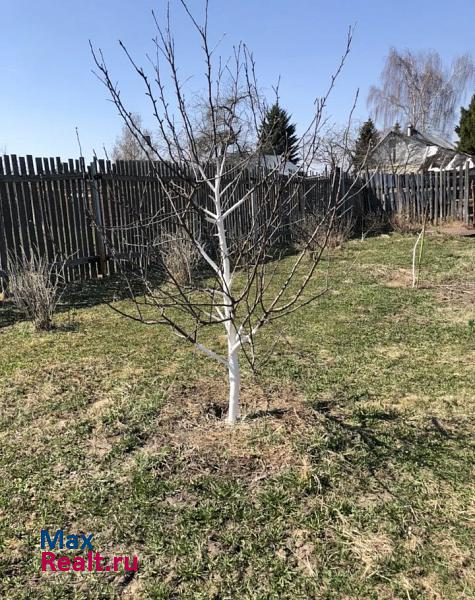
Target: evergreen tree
[367, 140]
[466, 129]
[397, 128]
[277, 134]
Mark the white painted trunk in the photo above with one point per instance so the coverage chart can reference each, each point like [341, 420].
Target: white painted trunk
[234, 376]
[414, 254]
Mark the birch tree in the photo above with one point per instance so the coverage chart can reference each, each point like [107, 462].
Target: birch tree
[418, 89]
[233, 210]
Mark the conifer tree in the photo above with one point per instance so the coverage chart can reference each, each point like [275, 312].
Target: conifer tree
[277, 134]
[367, 140]
[466, 129]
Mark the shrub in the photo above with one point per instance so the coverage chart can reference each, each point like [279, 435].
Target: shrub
[402, 223]
[374, 223]
[312, 234]
[180, 257]
[35, 287]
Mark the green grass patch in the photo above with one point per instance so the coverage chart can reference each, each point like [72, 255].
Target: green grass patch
[351, 475]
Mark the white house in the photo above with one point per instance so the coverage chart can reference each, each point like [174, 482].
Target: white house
[413, 151]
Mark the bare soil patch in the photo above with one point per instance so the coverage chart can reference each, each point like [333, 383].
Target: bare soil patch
[262, 444]
[454, 228]
[400, 278]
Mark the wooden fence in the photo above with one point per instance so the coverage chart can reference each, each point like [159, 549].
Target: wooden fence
[44, 204]
[62, 209]
[444, 195]
[96, 215]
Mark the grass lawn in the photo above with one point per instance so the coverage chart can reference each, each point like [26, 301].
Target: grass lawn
[352, 475]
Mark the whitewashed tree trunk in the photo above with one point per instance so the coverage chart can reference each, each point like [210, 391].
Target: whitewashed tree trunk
[234, 376]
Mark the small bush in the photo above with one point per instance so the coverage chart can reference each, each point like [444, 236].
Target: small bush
[180, 257]
[312, 234]
[401, 223]
[374, 223]
[35, 287]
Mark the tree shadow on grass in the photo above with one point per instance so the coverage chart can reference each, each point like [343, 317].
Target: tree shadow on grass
[277, 413]
[91, 292]
[380, 442]
[9, 314]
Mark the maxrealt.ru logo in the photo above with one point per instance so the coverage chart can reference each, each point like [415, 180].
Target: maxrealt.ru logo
[92, 561]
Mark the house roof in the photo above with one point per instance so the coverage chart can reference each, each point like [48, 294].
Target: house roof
[431, 139]
[268, 161]
[417, 151]
[428, 139]
[273, 161]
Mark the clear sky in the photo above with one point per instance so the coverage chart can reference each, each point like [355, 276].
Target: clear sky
[48, 88]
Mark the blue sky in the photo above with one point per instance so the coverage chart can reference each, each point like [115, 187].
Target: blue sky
[48, 88]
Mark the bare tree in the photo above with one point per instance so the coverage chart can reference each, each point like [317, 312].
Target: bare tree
[226, 125]
[209, 173]
[334, 148]
[126, 146]
[417, 89]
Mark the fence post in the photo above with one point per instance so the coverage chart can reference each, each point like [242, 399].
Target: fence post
[98, 220]
[466, 187]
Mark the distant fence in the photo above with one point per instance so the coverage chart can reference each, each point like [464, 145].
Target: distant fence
[443, 196]
[63, 208]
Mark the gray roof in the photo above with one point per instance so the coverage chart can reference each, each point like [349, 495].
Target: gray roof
[433, 140]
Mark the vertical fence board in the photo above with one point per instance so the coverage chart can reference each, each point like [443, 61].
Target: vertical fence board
[5, 225]
[466, 196]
